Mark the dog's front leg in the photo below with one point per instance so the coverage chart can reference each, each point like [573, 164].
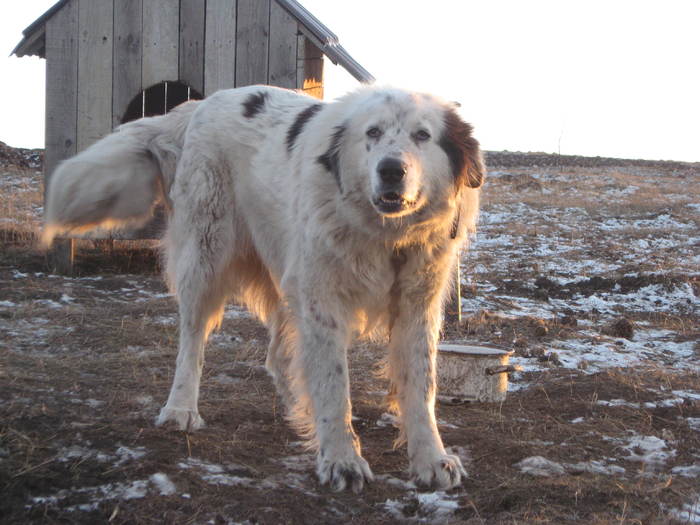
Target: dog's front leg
[412, 372]
[324, 339]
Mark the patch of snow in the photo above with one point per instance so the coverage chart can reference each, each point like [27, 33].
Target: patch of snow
[395, 508]
[48, 302]
[617, 403]
[109, 491]
[595, 467]
[7, 304]
[217, 474]
[437, 504]
[539, 466]
[694, 423]
[300, 462]
[387, 420]
[226, 379]
[93, 403]
[690, 471]
[690, 513]
[144, 400]
[663, 221]
[165, 320]
[163, 483]
[233, 311]
[577, 420]
[652, 451]
[74, 452]
[395, 482]
[126, 454]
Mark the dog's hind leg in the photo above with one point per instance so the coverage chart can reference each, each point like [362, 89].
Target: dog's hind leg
[201, 307]
[200, 244]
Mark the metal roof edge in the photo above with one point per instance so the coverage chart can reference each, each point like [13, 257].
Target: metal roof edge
[326, 40]
[34, 31]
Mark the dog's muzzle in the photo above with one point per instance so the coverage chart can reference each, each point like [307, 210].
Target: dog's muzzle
[389, 198]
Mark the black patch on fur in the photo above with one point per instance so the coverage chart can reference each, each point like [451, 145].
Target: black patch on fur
[302, 118]
[331, 158]
[254, 104]
[462, 150]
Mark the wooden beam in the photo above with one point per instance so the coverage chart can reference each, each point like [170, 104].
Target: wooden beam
[61, 109]
[283, 48]
[220, 46]
[127, 56]
[192, 17]
[95, 30]
[309, 68]
[252, 42]
[161, 43]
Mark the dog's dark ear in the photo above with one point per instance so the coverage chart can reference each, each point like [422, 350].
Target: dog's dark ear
[462, 150]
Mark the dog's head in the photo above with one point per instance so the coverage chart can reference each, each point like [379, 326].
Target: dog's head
[404, 151]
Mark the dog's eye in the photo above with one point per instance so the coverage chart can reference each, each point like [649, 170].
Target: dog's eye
[374, 132]
[421, 135]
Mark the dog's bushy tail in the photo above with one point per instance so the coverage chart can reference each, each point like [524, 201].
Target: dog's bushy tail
[117, 181]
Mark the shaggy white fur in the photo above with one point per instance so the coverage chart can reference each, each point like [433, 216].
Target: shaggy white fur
[327, 220]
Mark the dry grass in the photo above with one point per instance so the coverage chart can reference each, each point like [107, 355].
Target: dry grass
[86, 362]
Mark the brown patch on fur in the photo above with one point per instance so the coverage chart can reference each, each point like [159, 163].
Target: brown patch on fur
[463, 151]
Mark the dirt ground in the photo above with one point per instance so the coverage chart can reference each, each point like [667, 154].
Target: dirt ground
[588, 270]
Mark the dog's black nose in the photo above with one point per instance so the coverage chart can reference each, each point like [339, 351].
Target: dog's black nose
[391, 170]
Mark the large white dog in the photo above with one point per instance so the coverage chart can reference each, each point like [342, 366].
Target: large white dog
[328, 220]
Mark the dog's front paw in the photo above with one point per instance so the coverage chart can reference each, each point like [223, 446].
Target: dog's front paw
[442, 471]
[341, 473]
[184, 419]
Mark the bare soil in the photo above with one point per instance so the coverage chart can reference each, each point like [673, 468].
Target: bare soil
[569, 271]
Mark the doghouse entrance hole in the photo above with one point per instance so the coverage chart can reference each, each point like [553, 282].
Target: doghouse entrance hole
[159, 99]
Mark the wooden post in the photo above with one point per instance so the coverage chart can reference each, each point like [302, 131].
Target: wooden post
[126, 79]
[220, 46]
[160, 40]
[192, 19]
[61, 255]
[252, 42]
[309, 67]
[61, 110]
[283, 48]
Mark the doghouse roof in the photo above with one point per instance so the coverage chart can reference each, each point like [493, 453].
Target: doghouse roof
[34, 37]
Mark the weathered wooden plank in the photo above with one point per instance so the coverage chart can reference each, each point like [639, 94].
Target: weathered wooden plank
[309, 68]
[283, 48]
[61, 109]
[95, 31]
[220, 46]
[192, 17]
[127, 56]
[161, 43]
[252, 42]
[61, 86]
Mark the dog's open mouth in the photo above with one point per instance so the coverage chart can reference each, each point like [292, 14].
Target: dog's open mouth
[392, 202]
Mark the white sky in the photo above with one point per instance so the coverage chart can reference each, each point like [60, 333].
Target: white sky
[614, 78]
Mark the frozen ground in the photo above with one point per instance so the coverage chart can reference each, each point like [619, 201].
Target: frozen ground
[589, 274]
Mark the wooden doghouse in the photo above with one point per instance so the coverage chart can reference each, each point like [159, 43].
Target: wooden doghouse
[111, 61]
